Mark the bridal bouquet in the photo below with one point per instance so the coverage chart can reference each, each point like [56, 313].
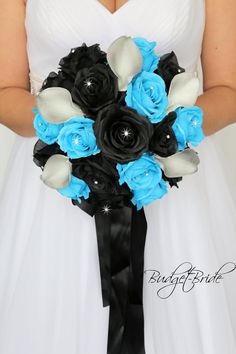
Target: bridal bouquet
[117, 124]
[115, 131]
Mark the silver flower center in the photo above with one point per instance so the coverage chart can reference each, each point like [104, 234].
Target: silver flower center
[194, 123]
[106, 209]
[126, 132]
[76, 140]
[88, 83]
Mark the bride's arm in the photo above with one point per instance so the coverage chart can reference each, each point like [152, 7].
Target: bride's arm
[16, 102]
[219, 66]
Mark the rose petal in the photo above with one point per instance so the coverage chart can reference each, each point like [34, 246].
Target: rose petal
[125, 60]
[57, 171]
[56, 106]
[180, 164]
[183, 91]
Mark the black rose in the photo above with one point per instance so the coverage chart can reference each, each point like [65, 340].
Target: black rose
[168, 67]
[102, 178]
[122, 134]
[94, 88]
[58, 80]
[163, 141]
[42, 152]
[100, 174]
[80, 58]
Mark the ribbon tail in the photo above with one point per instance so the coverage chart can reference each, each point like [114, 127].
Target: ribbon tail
[120, 266]
[134, 328]
[121, 240]
[103, 229]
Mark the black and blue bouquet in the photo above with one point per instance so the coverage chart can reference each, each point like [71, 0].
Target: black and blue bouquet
[115, 131]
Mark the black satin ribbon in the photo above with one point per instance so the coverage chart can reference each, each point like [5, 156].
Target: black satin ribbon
[121, 238]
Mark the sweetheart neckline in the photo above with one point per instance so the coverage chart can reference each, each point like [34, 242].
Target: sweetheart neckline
[116, 11]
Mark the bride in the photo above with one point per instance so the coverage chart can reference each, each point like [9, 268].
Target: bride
[50, 291]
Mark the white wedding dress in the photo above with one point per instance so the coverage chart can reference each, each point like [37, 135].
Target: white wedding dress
[50, 290]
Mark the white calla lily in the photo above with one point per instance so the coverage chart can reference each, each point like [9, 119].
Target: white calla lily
[125, 59]
[56, 106]
[57, 171]
[184, 90]
[180, 164]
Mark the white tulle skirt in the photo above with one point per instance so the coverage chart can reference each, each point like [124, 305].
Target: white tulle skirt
[50, 290]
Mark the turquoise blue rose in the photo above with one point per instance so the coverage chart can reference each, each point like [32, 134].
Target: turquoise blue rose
[188, 126]
[77, 138]
[45, 131]
[150, 58]
[147, 95]
[76, 189]
[144, 178]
